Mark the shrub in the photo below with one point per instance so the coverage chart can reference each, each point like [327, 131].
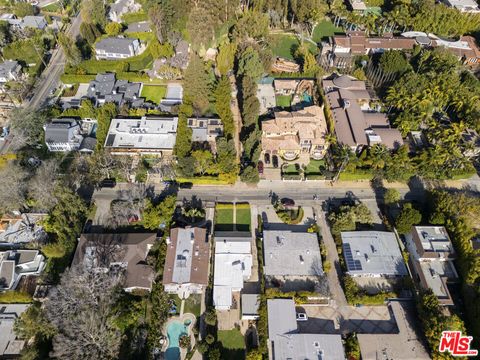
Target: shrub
[210, 339]
[211, 317]
[11, 297]
[184, 341]
[54, 250]
[291, 216]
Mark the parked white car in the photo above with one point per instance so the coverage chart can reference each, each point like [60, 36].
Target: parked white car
[302, 317]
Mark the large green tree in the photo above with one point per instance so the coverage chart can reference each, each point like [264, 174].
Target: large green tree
[197, 84]
[223, 99]
[249, 64]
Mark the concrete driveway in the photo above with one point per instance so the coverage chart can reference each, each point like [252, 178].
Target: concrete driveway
[272, 222]
[335, 272]
[345, 319]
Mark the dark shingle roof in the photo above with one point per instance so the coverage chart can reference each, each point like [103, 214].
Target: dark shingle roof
[115, 45]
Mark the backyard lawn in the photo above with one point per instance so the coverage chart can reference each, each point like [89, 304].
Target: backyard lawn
[232, 344]
[243, 217]
[284, 101]
[325, 29]
[130, 18]
[192, 304]
[224, 217]
[153, 93]
[284, 45]
[53, 7]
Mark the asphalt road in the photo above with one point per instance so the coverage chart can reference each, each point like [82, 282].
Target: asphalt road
[301, 192]
[298, 192]
[51, 75]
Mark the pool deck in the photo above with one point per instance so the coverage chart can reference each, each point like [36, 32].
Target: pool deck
[182, 319]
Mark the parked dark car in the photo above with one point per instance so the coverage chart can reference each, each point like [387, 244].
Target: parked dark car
[267, 159]
[275, 161]
[260, 167]
[287, 202]
[108, 183]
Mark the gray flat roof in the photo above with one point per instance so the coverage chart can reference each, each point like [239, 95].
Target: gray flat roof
[434, 238]
[281, 317]
[434, 271]
[372, 253]
[289, 253]
[250, 304]
[309, 346]
[8, 343]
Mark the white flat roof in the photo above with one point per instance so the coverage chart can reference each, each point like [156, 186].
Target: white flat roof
[144, 133]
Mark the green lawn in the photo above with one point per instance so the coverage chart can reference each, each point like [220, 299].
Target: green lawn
[284, 45]
[54, 7]
[130, 18]
[192, 304]
[290, 169]
[153, 93]
[243, 217]
[315, 167]
[284, 101]
[359, 174]
[325, 29]
[224, 217]
[232, 344]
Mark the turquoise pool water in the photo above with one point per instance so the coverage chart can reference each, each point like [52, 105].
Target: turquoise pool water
[174, 331]
[307, 99]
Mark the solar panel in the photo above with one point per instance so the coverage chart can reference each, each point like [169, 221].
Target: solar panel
[352, 264]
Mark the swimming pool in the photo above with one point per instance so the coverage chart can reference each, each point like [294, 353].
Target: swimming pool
[174, 331]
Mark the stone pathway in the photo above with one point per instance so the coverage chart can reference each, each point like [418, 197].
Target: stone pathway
[182, 306]
[234, 216]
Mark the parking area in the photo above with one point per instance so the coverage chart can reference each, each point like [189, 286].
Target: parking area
[346, 319]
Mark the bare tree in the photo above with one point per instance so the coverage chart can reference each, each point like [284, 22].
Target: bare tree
[42, 185]
[92, 169]
[107, 248]
[130, 203]
[80, 308]
[125, 165]
[14, 187]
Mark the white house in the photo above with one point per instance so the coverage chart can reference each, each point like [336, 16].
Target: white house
[115, 48]
[121, 7]
[14, 264]
[63, 135]
[9, 70]
[233, 266]
[469, 6]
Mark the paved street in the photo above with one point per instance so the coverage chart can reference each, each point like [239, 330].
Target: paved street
[301, 192]
[51, 75]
